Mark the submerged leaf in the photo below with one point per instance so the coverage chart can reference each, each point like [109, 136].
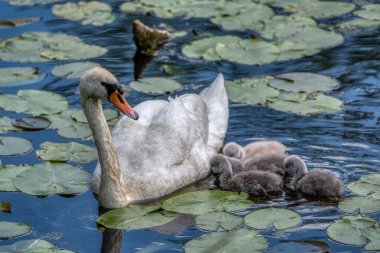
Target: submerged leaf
[5, 206]
[50, 178]
[17, 76]
[12, 229]
[207, 201]
[279, 218]
[31, 123]
[243, 241]
[14, 145]
[73, 70]
[213, 220]
[18, 21]
[156, 85]
[363, 204]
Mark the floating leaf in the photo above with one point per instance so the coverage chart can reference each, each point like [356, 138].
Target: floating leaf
[303, 82]
[207, 201]
[293, 96]
[36, 102]
[31, 2]
[136, 217]
[156, 85]
[366, 185]
[304, 246]
[12, 229]
[7, 174]
[279, 218]
[14, 145]
[6, 125]
[352, 230]
[320, 103]
[242, 240]
[18, 21]
[43, 46]
[17, 76]
[363, 204]
[31, 123]
[73, 70]
[363, 23]
[79, 116]
[49, 178]
[317, 9]
[32, 246]
[212, 221]
[67, 127]
[251, 90]
[5, 206]
[67, 152]
[370, 12]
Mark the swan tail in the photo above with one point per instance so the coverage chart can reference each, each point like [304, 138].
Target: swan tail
[216, 99]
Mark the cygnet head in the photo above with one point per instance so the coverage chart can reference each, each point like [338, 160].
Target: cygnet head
[219, 164]
[99, 83]
[295, 166]
[234, 150]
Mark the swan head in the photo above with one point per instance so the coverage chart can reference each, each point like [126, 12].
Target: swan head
[219, 165]
[234, 150]
[99, 83]
[295, 166]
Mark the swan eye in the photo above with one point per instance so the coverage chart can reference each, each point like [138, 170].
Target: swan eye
[111, 87]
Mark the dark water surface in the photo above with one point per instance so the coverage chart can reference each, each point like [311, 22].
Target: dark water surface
[346, 142]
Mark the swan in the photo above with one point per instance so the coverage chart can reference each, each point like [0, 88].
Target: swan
[158, 147]
[316, 183]
[253, 182]
[270, 162]
[253, 149]
[232, 149]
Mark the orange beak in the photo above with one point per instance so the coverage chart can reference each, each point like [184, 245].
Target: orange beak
[119, 101]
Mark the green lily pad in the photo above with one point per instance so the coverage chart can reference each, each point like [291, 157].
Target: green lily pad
[17, 76]
[297, 97]
[12, 229]
[136, 217]
[207, 201]
[363, 204]
[304, 246]
[44, 46]
[69, 128]
[156, 85]
[352, 230]
[79, 116]
[50, 178]
[14, 145]
[371, 179]
[13, 22]
[31, 123]
[212, 221]
[369, 12]
[251, 90]
[67, 152]
[366, 185]
[32, 246]
[5, 206]
[36, 102]
[31, 2]
[7, 175]
[303, 82]
[317, 9]
[242, 240]
[73, 70]
[279, 218]
[320, 103]
[359, 22]
[6, 125]
[87, 13]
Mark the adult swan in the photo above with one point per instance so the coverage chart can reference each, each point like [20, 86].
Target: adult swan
[165, 148]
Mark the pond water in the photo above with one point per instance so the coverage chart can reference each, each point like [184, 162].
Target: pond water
[346, 142]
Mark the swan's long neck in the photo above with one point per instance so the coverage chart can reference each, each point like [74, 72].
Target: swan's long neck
[112, 191]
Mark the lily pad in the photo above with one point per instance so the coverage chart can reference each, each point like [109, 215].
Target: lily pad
[12, 229]
[366, 185]
[251, 90]
[50, 178]
[31, 123]
[7, 175]
[279, 218]
[88, 13]
[136, 217]
[242, 240]
[5, 207]
[31, 2]
[14, 145]
[67, 127]
[352, 230]
[303, 82]
[67, 152]
[6, 125]
[73, 70]
[79, 116]
[17, 76]
[317, 9]
[44, 46]
[36, 102]
[363, 204]
[32, 246]
[359, 22]
[156, 85]
[319, 104]
[212, 221]
[199, 202]
[13, 22]
[369, 12]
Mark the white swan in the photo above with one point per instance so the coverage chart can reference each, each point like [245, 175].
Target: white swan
[165, 146]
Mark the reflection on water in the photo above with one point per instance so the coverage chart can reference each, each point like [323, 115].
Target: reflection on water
[346, 142]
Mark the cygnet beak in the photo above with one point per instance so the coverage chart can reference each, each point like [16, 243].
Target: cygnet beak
[119, 101]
